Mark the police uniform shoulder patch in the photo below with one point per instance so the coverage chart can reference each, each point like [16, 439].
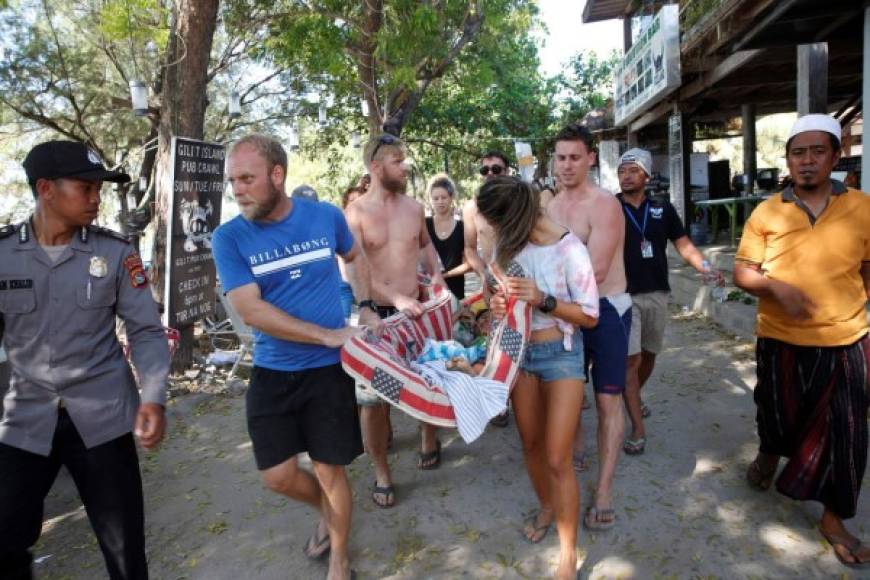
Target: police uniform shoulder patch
[110, 233]
[136, 271]
[8, 230]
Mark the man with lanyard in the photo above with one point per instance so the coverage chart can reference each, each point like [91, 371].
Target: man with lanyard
[73, 399]
[805, 253]
[649, 224]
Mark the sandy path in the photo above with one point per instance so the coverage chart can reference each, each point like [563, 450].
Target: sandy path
[683, 509]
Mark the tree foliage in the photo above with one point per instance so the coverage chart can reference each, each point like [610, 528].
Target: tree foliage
[454, 77]
[65, 70]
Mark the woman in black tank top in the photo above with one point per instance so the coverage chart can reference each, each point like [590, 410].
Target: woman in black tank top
[447, 234]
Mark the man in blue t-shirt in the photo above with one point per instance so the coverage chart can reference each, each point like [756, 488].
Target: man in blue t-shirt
[277, 264]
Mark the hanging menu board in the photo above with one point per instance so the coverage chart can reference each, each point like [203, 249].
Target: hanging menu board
[197, 191]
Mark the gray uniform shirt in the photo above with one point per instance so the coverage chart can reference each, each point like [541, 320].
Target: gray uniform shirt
[59, 335]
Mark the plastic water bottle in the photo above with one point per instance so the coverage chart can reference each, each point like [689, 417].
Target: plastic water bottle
[711, 279]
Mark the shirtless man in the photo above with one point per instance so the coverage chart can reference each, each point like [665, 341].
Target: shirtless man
[595, 216]
[391, 230]
[479, 234]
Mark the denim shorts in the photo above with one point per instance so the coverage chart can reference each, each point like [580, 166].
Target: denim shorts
[549, 361]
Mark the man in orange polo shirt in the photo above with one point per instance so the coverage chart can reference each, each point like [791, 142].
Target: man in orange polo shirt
[806, 254]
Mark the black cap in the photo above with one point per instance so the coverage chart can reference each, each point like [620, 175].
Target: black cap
[56, 159]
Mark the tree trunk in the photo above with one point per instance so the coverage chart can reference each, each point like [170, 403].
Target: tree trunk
[182, 113]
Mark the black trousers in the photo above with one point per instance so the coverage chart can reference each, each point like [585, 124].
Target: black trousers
[108, 481]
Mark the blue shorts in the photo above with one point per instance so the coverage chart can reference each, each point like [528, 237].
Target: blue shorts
[549, 361]
[606, 349]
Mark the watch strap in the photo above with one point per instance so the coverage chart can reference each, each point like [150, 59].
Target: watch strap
[370, 304]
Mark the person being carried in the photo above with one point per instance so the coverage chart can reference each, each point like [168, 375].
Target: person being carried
[805, 253]
[560, 283]
[277, 262]
[595, 217]
[391, 229]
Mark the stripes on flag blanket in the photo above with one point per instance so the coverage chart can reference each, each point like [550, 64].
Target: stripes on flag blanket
[384, 363]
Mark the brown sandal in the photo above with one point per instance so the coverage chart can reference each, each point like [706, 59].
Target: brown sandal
[851, 546]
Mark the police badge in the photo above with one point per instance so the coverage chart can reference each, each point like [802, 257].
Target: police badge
[98, 267]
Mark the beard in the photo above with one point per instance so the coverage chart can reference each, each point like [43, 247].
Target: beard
[258, 211]
[395, 184]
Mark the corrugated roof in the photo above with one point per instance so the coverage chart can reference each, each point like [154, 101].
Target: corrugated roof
[598, 10]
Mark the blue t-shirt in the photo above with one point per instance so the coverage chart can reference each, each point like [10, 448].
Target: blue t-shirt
[293, 262]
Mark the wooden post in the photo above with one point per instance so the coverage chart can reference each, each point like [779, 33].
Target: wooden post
[812, 81]
[630, 136]
[865, 157]
[749, 147]
[679, 152]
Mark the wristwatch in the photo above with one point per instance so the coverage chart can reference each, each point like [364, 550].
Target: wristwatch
[370, 304]
[548, 305]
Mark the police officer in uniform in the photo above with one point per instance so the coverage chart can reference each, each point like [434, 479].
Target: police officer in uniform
[73, 399]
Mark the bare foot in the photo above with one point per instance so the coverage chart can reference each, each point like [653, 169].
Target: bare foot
[567, 569]
[339, 568]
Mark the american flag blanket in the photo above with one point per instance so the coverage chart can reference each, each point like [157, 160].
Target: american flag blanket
[383, 363]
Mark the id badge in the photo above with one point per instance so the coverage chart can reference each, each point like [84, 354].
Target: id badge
[646, 249]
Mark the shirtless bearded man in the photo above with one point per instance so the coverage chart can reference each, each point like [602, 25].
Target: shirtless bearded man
[391, 229]
[595, 216]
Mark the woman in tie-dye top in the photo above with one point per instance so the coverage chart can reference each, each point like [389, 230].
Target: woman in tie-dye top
[558, 280]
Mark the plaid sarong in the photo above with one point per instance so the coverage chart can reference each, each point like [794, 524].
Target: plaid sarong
[812, 408]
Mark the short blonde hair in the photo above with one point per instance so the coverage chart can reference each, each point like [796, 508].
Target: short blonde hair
[267, 146]
[378, 144]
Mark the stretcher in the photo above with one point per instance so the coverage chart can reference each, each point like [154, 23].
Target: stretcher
[382, 363]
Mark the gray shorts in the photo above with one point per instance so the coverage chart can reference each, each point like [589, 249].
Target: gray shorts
[649, 315]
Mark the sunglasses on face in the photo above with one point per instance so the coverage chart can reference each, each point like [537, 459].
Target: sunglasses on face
[495, 169]
[385, 139]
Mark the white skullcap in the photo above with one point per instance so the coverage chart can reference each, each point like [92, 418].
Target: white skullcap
[816, 122]
[641, 157]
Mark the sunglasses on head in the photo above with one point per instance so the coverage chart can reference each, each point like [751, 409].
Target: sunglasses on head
[495, 169]
[385, 139]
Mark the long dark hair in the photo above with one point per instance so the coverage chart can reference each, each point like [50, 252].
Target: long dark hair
[512, 208]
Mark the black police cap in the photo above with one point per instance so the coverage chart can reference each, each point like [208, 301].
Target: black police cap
[56, 159]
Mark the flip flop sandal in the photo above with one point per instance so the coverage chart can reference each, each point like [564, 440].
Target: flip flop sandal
[599, 520]
[757, 478]
[851, 547]
[500, 420]
[431, 459]
[580, 463]
[389, 493]
[317, 548]
[634, 446]
[542, 529]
